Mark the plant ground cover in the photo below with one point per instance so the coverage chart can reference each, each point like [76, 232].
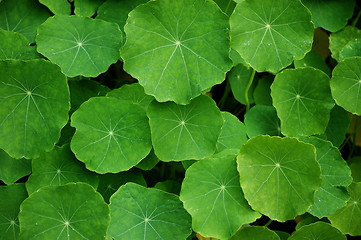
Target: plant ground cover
[187, 119]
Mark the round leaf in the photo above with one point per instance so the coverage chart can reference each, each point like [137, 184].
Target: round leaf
[351, 49]
[86, 8]
[148, 162]
[303, 101]
[262, 92]
[15, 46]
[143, 213]
[255, 233]
[79, 45]
[340, 39]
[177, 49]
[13, 169]
[212, 195]
[34, 106]
[346, 84]
[317, 231]
[269, 35]
[185, 132]
[111, 135]
[313, 59]
[279, 176]
[72, 211]
[57, 6]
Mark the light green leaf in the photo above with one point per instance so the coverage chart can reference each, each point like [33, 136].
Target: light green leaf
[351, 49]
[14, 45]
[348, 218]
[239, 78]
[34, 106]
[86, 8]
[144, 213]
[58, 167]
[79, 45]
[303, 101]
[188, 39]
[255, 233]
[279, 176]
[185, 132]
[317, 231]
[262, 91]
[340, 39]
[12, 169]
[269, 35]
[148, 162]
[22, 16]
[72, 211]
[315, 60]
[111, 135]
[212, 195]
[346, 84]
[59, 7]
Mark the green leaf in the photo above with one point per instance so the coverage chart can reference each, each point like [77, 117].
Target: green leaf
[262, 91]
[262, 120]
[79, 45]
[22, 16]
[72, 211]
[148, 162]
[233, 133]
[34, 106]
[351, 49]
[59, 7]
[111, 135]
[269, 35]
[15, 46]
[303, 101]
[144, 213]
[279, 176]
[348, 218]
[185, 132]
[56, 168]
[87, 8]
[255, 233]
[346, 84]
[355, 166]
[331, 15]
[340, 39]
[239, 78]
[317, 231]
[315, 60]
[177, 49]
[226, 6]
[212, 195]
[13, 169]
[170, 186]
[11, 198]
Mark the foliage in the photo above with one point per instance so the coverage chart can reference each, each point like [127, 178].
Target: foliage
[187, 119]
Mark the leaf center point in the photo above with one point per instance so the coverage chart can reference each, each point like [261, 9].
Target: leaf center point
[28, 93]
[268, 26]
[278, 165]
[177, 43]
[182, 123]
[146, 219]
[223, 187]
[298, 96]
[79, 44]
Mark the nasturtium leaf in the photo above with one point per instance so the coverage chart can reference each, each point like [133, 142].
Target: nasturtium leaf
[302, 98]
[262, 120]
[58, 7]
[262, 91]
[282, 235]
[233, 133]
[144, 213]
[355, 166]
[239, 78]
[58, 167]
[148, 162]
[315, 60]
[22, 16]
[132, 92]
[34, 106]
[170, 186]
[269, 35]
[71, 211]
[255, 233]
[67, 132]
[79, 45]
[212, 195]
[236, 58]
[226, 6]
[348, 218]
[10, 200]
[86, 8]
[14, 45]
[346, 84]
[185, 132]
[279, 176]
[331, 15]
[12, 169]
[351, 49]
[317, 231]
[111, 135]
[177, 49]
[340, 39]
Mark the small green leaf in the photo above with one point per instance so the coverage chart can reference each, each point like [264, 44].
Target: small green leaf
[351, 49]
[317, 231]
[279, 176]
[185, 132]
[144, 213]
[170, 186]
[72, 211]
[255, 233]
[14, 45]
[346, 84]
[13, 169]
[340, 39]
[86, 8]
[315, 60]
[302, 98]
[148, 162]
[111, 135]
[355, 166]
[212, 195]
[79, 45]
[59, 7]
[262, 91]
[239, 78]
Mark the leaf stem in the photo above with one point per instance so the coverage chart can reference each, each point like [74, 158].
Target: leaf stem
[227, 8]
[268, 223]
[354, 22]
[250, 81]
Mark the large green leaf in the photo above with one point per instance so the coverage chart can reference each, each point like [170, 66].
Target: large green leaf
[255, 233]
[22, 16]
[269, 35]
[111, 135]
[143, 213]
[346, 84]
[14, 45]
[79, 45]
[340, 39]
[279, 176]
[185, 132]
[58, 167]
[34, 106]
[72, 211]
[302, 98]
[212, 195]
[12, 169]
[177, 49]
[317, 231]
